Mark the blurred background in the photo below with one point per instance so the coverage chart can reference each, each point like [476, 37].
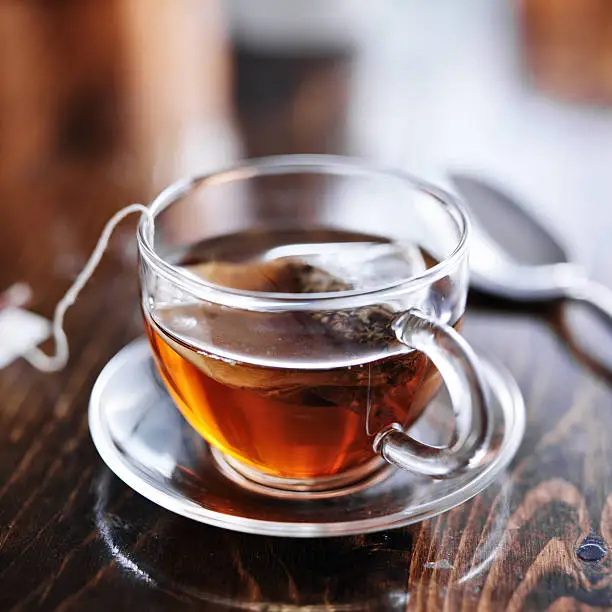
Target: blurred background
[103, 103]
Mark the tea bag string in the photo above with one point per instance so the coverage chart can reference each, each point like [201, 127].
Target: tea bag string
[53, 363]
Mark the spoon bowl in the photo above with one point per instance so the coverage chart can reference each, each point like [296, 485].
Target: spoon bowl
[515, 256]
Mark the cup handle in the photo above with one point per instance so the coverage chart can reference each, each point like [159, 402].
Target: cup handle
[458, 366]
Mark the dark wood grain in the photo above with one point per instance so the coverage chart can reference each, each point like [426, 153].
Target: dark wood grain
[72, 536]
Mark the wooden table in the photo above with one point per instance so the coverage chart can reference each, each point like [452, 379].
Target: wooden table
[72, 536]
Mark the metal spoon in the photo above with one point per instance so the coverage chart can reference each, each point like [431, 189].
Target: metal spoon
[516, 257]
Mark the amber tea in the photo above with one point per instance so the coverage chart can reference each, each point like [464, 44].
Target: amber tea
[297, 394]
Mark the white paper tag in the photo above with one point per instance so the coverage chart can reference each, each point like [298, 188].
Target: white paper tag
[20, 331]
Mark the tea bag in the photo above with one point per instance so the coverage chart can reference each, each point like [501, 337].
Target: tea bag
[327, 339]
[382, 385]
[325, 268]
[310, 335]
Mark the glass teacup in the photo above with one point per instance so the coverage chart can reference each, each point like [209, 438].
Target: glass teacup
[302, 312]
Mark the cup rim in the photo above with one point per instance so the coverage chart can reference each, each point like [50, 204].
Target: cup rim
[287, 164]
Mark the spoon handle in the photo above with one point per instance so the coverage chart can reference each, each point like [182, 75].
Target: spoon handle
[595, 295]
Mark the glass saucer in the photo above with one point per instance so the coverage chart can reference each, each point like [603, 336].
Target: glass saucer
[145, 441]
